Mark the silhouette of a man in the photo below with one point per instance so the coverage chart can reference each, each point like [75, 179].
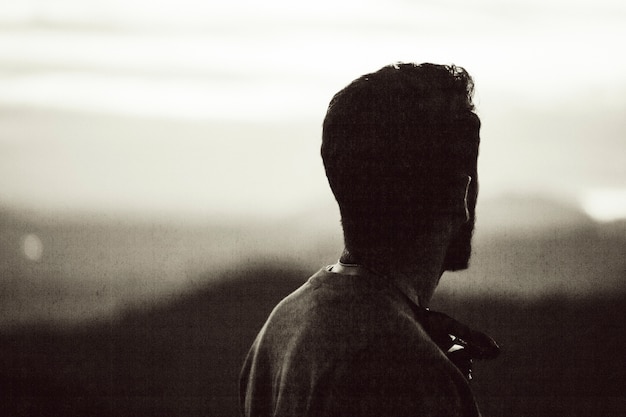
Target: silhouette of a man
[400, 150]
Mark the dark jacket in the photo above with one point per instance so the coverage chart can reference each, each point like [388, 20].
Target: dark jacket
[345, 345]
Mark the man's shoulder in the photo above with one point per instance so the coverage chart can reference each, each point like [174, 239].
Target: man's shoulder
[350, 312]
[343, 299]
[354, 345]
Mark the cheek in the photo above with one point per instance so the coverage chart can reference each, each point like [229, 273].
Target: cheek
[460, 248]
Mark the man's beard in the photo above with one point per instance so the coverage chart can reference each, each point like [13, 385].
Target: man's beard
[460, 248]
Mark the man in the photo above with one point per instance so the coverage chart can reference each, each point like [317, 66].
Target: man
[400, 149]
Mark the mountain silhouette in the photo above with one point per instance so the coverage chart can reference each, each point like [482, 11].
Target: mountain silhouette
[182, 357]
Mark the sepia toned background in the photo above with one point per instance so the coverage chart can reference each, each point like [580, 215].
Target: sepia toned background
[161, 189]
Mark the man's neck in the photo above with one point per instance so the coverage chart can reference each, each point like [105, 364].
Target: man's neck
[417, 280]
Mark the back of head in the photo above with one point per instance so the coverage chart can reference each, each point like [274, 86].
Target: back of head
[395, 143]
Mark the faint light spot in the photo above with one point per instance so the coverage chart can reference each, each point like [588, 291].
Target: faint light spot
[32, 247]
[605, 205]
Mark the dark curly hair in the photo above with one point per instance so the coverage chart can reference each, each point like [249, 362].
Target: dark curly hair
[393, 141]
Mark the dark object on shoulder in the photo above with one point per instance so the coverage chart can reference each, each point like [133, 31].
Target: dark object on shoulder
[461, 343]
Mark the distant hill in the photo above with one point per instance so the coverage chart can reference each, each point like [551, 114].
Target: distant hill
[528, 214]
[182, 356]
[96, 265]
[157, 317]
[535, 246]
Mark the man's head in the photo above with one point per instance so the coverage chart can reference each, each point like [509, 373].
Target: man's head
[399, 146]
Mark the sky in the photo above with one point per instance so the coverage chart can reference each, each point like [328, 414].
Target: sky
[216, 107]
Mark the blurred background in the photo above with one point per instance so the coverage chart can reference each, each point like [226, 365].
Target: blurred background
[161, 189]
